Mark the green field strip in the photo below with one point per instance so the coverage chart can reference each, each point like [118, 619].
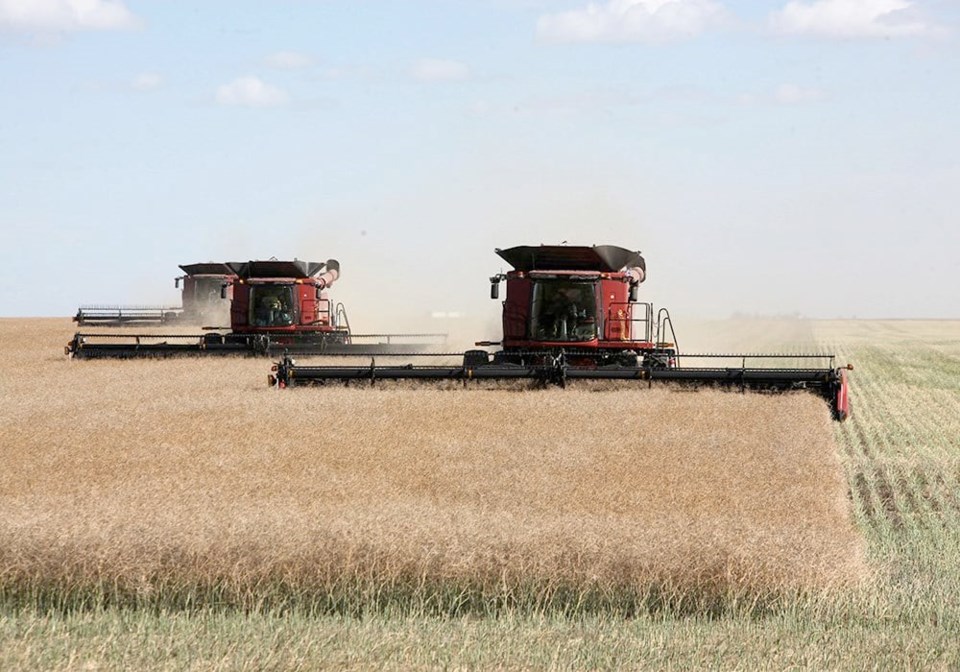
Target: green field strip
[860, 497]
[910, 498]
[873, 485]
[857, 467]
[919, 423]
[885, 492]
[895, 451]
[900, 450]
[855, 463]
[940, 496]
[893, 412]
[930, 369]
[917, 432]
[933, 405]
[870, 420]
[858, 490]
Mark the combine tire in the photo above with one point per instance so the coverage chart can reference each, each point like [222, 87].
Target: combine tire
[502, 358]
[659, 359]
[475, 358]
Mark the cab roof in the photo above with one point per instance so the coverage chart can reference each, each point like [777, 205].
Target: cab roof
[207, 268]
[602, 258]
[273, 268]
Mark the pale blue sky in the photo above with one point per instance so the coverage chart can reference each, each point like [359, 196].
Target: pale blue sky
[767, 157]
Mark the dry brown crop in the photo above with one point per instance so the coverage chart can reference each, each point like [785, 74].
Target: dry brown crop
[190, 482]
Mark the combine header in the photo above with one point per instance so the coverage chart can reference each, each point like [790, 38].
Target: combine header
[276, 306]
[122, 316]
[201, 302]
[571, 313]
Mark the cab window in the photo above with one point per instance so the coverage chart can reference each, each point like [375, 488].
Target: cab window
[564, 311]
[272, 306]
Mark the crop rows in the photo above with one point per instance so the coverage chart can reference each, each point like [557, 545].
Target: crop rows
[902, 443]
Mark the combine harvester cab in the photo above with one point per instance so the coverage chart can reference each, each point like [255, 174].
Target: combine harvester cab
[204, 301]
[284, 303]
[201, 302]
[571, 313]
[275, 306]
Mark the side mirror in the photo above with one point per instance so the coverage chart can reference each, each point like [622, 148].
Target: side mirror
[223, 291]
[319, 292]
[176, 283]
[633, 292]
[495, 285]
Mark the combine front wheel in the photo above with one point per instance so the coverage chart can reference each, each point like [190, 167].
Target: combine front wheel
[474, 358]
[660, 359]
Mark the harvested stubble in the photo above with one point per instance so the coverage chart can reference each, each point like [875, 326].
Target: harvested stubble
[189, 482]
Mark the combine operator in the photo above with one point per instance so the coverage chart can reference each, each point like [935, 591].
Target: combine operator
[273, 310]
[568, 314]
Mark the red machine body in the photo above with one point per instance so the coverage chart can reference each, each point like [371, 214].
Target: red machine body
[576, 298]
[285, 298]
[841, 405]
[607, 324]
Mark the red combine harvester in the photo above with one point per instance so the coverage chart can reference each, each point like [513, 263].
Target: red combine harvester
[201, 302]
[276, 306]
[571, 313]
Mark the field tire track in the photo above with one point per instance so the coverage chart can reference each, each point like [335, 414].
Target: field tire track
[886, 494]
[913, 507]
